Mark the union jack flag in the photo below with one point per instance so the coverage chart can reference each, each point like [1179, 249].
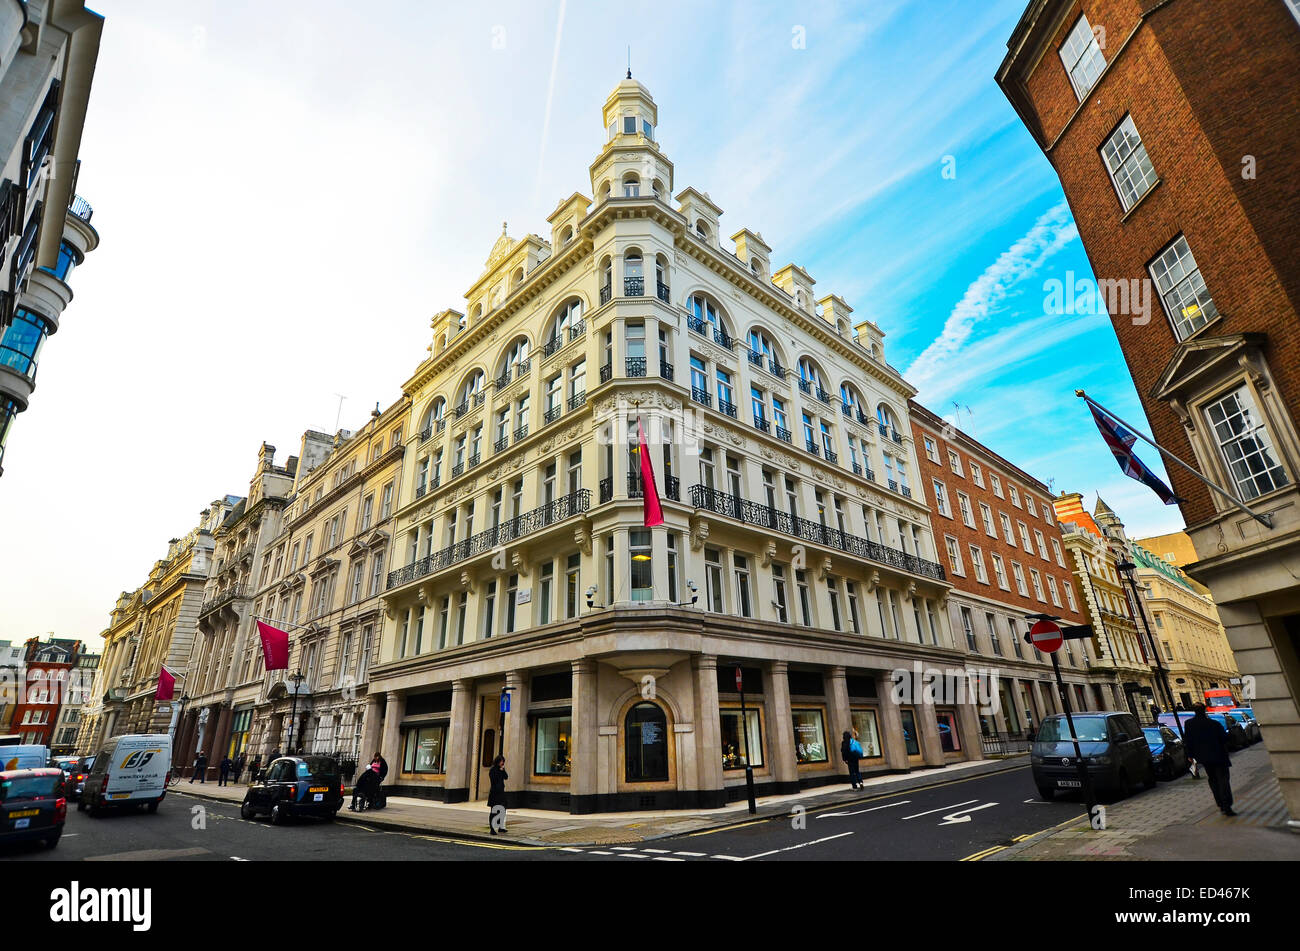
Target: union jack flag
[1121, 441]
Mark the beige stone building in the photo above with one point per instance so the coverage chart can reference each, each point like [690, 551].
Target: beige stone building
[151, 626]
[218, 687]
[1120, 658]
[318, 570]
[796, 543]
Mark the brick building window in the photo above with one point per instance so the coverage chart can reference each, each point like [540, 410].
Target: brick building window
[977, 560]
[954, 555]
[1244, 444]
[1127, 162]
[1182, 289]
[941, 499]
[1000, 570]
[1082, 57]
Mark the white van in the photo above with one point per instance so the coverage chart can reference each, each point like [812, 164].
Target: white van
[129, 771]
[26, 756]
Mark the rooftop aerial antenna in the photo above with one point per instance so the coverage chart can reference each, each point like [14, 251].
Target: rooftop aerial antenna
[339, 415]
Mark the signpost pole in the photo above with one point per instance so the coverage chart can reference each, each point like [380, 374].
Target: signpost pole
[744, 731]
[1088, 796]
[505, 708]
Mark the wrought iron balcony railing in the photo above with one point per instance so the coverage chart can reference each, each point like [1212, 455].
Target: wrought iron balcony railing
[761, 423]
[701, 396]
[673, 488]
[635, 366]
[539, 518]
[784, 434]
[724, 339]
[521, 432]
[776, 369]
[606, 372]
[665, 369]
[555, 343]
[502, 444]
[863, 418]
[832, 456]
[606, 490]
[222, 598]
[662, 290]
[634, 287]
[727, 407]
[606, 293]
[764, 516]
[552, 414]
[697, 325]
[577, 400]
[577, 330]
[755, 358]
[805, 386]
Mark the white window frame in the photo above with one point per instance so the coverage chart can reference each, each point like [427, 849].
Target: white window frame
[954, 556]
[1128, 164]
[941, 499]
[1079, 55]
[1000, 571]
[977, 561]
[1247, 488]
[1177, 276]
[963, 506]
[976, 474]
[986, 515]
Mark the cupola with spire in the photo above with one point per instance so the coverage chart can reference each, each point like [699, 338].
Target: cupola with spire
[630, 165]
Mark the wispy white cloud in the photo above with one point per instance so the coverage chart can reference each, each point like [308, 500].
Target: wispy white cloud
[1051, 232]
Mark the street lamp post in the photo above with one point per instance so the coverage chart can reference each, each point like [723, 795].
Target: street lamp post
[297, 678]
[1126, 569]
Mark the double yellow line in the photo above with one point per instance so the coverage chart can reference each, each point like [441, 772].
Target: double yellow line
[985, 854]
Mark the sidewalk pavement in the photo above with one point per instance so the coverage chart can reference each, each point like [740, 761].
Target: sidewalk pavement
[542, 827]
[1178, 821]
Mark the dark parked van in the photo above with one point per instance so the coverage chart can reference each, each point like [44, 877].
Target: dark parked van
[1115, 754]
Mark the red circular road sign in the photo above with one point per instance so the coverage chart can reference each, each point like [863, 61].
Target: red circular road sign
[1046, 636]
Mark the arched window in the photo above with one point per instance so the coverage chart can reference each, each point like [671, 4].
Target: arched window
[808, 373]
[841, 327]
[517, 353]
[762, 347]
[569, 314]
[702, 229]
[661, 277]
[566, 235]
[756, 266]
[472, 387]
[706, 317]
[433, 415]
[645, 743]
[477, 313]
[605, 190]
[850, 401]
[517, 278]
[657, 187]
[633, 275]
[885, 416]
[631, 185]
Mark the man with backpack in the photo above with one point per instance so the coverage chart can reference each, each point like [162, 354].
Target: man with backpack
[851, 753]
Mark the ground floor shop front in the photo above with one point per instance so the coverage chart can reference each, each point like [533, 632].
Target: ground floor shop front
[644, 710]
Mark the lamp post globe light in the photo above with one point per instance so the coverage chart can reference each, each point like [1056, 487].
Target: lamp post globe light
[297, 678]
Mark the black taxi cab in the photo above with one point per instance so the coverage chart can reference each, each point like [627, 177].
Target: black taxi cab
[32, 805]
[294, 786]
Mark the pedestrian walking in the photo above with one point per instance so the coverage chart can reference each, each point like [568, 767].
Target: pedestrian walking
[255, 769]
[851, 753]
[200, 768]
[224, 770]
[497, 776]
[239, 765]
[1207, 741]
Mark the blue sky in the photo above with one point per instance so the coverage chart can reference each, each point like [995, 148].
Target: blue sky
[288, 192]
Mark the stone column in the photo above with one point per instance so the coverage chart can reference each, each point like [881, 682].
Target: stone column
[391, 745]
[585, 755]
[891, 725]
[1044, 710]
[221, 738]
[459, 741]
[516, 738]
[931, 746]
[371, 725]
[708, 732]
[784, 768]
[840, 716]
[968, 722]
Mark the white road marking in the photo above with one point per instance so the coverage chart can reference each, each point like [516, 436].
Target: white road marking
[694, 855]
[788, 847]
[598, 852]
[729, 858]
[236, 858]
[622, 848]
[667, 858]
[953, 818]
[829, 815]
[632, 855]
[940, 809]
[569, 848]
[657, 851]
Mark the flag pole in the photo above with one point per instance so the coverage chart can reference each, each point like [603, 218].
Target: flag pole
[1263, 518]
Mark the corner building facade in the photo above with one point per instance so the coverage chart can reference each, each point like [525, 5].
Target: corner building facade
[795, 545]
[1172, 126]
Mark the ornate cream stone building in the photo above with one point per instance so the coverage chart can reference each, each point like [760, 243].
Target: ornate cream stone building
[151, 626]
[796, 544]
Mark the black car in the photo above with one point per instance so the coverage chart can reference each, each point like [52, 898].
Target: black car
[75, 769]
[1168, 755]
[32, 805]
[296, 786]
[1115, 754]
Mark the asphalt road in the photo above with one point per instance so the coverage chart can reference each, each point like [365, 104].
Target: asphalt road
[958, 820]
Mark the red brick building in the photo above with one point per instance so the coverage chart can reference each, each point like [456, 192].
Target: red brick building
[1174, 126]
[47, 666]
[997, 535]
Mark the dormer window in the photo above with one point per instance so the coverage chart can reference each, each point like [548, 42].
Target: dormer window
[631, 185]
[629, 125]
[647, 129]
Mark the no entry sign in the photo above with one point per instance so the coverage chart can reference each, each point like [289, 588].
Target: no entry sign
[1046, 636]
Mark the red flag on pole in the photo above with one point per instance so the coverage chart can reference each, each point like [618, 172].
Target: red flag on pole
[275, 646]
[654, 513]
[166, 685]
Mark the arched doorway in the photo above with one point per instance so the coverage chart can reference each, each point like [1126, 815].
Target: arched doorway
[645, 744]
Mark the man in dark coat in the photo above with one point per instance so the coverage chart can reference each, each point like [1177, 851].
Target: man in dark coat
[200, 768]
[224, 770]
[1207, 743]
[497, 776]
